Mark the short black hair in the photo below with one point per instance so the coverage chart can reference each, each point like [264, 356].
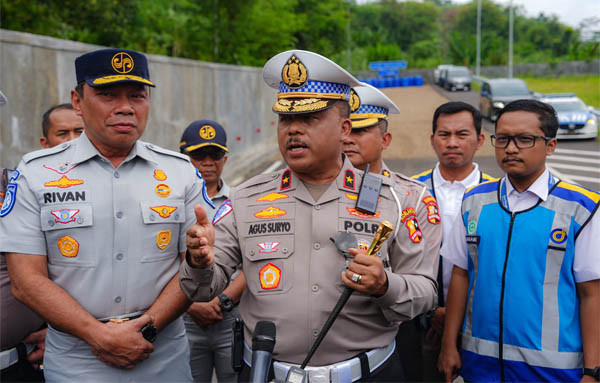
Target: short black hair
[79, 89]
[46, 116]
[343, 107]
[546, 114]
[454, 107]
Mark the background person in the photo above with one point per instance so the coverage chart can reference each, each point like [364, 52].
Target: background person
[94, 234]
[209, 324]
[60, 124]
[526, 275]
[278, 227]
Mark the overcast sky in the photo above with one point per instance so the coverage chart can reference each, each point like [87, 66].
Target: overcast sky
[569, 12]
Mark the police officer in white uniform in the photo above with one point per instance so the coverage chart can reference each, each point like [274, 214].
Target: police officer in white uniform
[94, 230]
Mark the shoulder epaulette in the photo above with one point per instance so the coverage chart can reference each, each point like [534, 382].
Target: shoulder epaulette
[45, 152]
[424, 175]
[484, 187]
[576, 193]
[168, 152]
[412, 180]
[241, 190]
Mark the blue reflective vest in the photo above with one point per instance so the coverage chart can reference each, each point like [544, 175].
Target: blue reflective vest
[522, 315]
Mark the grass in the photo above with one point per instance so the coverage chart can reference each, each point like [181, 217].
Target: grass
[587, 87]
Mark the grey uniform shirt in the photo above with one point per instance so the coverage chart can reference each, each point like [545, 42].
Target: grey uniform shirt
[281, 236]
[112, 237]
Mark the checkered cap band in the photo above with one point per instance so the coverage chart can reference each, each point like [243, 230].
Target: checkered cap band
[371, 109]
[318, 87]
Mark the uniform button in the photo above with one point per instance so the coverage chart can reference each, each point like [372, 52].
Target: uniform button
[284, 250]
[152, 217]
[118, 299]
[119, 256]
[315, 288]
[119, 214]
[251, 252]
[274, 175]
[64, 145]
[150, 146]
[317, 246]
[317, 207]
[176, 217]
[80, 220]
[315, 333]
[50, 223]
[117, 175]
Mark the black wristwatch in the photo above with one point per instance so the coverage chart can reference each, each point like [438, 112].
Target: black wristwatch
[593, 372]
[226, 303]
[149, 332]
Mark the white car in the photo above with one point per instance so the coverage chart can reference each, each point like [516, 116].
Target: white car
[438, 71]
[575, 119]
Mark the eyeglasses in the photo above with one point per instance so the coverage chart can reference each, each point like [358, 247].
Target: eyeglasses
[522, 141]
[215, 154]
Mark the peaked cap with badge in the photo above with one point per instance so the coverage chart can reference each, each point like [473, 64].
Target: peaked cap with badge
[111, 66]
[369, 106]
[203, 133]
[307, 82]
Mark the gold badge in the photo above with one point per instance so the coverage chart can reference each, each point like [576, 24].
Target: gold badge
[354, 101]
[122, 63]
[207, 132]
[272, 197]
[63, 182]
[270, 212]
[162, 190]
[163, 238]
[386, 173]
[270, 276]
[294, 73]
[68, 246]
[160, 175]
[357, 213]
[163, 210]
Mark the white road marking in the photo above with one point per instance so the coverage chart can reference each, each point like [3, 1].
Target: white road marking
[580, 152]
[576, 167]
[574, 159]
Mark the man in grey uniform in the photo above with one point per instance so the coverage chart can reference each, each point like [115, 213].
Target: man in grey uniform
[278, 226]
[94, 233]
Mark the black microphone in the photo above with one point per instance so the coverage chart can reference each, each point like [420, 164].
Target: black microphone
[263, 343]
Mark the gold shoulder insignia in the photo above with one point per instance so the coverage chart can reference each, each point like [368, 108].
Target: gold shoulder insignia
[294, 73]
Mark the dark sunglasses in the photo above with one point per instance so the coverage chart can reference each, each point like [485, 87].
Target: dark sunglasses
[215, 154]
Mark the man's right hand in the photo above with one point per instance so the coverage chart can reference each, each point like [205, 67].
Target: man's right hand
[449, 363]
[122, 344]
[200, 239]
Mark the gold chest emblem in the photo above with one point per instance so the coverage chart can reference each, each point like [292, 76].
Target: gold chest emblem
[294, 73]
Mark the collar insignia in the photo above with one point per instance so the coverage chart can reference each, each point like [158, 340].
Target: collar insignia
[270, 212]
[349, 179]
[160, 175]
[286, 180]
[163, 238]
[270, 276]
[63, 182]
[294, 73]
[354, 101]
[272, 197]
[386, 173]
[163, 210]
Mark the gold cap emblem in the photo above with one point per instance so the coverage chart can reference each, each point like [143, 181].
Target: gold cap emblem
[354, 101]
[294, 73]
[207, 132]
[122, 62]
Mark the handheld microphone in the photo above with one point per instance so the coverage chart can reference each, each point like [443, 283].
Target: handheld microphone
[263, 343]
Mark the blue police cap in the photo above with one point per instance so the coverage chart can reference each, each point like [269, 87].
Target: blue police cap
[110, 66]
[203, 133]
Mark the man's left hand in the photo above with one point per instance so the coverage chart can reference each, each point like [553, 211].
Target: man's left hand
[373, 279]
[37, 338]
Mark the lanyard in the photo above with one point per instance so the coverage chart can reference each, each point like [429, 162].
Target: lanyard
[504, 198]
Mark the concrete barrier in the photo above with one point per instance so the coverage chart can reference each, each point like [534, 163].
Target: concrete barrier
[39, 71]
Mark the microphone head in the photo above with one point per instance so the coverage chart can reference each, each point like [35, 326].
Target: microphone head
[264, 336]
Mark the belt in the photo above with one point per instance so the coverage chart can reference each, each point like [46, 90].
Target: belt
[342, 372]
[122, 318]
[11, 356]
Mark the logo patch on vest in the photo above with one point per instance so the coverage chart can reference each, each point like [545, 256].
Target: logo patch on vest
[63, 182]
[558, 236]
[433, 215]
[473, 239]
[409, 219]
[270, 212]
[222, 211]
[349, 179]
[163, 190]
[68, 246]
[64, 215]
[163, 210]
[163, 238]
[269, 276]
[472, 227]
[286, 180]
[272, 197]
[268, 247]
[159, 175]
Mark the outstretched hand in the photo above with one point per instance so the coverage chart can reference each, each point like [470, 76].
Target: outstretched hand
[200, 239]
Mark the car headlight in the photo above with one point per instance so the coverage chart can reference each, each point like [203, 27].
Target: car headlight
[592, 121]
[498, 105]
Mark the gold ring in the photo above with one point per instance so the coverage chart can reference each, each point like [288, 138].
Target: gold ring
[356, 278]
[359, 279]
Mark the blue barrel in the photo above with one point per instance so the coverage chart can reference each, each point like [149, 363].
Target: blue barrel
[419, 81]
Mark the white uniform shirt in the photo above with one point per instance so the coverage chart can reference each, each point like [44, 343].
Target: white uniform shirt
[449, 198]
[586, 262]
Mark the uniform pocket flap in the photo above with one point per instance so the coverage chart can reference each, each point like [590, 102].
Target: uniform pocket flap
[66, 216]
[172, 211]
